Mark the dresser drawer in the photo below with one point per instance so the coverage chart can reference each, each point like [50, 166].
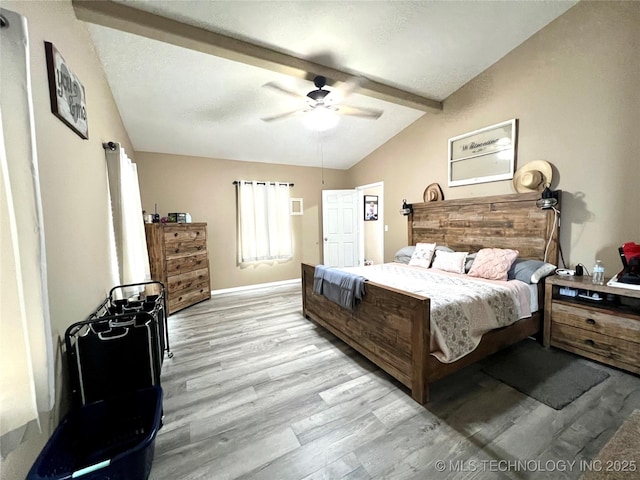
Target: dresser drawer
[181, 299]
[183, 233]
[179, 265]
[188, 280]
[594, 320]
[185, 249]
[617, 351]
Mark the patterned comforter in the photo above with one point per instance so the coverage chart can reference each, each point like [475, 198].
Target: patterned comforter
[462, 308]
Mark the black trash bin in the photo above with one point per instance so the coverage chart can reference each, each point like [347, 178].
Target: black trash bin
[108, 439]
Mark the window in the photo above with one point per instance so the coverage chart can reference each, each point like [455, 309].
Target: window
[264, 222]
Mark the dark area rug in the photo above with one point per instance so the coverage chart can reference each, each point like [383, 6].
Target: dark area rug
[551, 376]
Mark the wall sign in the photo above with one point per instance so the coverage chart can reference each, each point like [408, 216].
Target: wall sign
[484, 155]
[68, 100]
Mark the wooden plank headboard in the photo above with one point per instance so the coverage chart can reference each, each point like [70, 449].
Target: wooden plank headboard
[500, 221]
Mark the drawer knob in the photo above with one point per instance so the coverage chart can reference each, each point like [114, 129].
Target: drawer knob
[591, 321]
[591, 343]
[175, 234]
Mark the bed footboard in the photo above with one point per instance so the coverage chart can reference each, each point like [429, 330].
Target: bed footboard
[389, 327]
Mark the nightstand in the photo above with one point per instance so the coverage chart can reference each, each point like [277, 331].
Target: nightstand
[606, 329]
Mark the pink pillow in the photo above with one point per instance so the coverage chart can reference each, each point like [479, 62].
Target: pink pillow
[493, 263]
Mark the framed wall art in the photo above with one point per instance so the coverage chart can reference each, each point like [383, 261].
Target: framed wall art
[484, 155]
[296, 206]
[370, 207]
[66, 92]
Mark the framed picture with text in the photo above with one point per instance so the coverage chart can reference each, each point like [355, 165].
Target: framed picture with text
[67, 95]
[484, 155]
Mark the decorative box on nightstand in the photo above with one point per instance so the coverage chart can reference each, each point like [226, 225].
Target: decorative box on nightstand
[595, 321]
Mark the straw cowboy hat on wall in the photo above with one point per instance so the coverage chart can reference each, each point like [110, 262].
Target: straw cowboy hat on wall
[533, 177]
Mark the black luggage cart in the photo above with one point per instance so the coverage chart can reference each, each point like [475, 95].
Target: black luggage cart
[120, 347]
[153, 300]
[114, 360]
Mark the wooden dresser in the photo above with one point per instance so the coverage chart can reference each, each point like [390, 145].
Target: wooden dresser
[606, 329]
[178, 258]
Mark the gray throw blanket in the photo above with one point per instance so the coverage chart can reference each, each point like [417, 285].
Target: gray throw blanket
[338, 286]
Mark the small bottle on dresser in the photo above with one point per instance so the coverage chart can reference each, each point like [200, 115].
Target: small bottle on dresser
[598, 273]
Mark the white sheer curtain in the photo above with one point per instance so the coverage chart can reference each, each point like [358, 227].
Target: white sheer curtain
[128, 225]
[264, 221]
[26, 344]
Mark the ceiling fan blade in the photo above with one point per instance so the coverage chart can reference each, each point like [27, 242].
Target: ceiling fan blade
[345, 89]
[363, 112]
[280, 116]
[281, 89]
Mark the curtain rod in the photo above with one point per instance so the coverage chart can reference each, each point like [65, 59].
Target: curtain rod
[109, 146]
[237, 182]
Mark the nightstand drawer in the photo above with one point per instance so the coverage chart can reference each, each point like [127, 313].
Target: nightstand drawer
[595, 321]
[597, 346]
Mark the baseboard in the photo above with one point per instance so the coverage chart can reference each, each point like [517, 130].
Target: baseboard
[256, 286]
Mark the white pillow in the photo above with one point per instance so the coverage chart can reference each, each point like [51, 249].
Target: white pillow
[543, 271]
[450, 261]
[422, 255]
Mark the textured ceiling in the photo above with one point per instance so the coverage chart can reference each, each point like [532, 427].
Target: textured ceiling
[181, 101]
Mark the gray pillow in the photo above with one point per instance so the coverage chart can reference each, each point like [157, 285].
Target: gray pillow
[404, 254]
[530, 271]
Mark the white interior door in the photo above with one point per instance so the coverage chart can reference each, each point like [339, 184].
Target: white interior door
[340, 228]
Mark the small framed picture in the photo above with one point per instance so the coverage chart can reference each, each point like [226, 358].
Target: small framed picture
[370, 208]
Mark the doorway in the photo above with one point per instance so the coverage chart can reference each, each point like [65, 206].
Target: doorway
[371, 232]
[351, 235]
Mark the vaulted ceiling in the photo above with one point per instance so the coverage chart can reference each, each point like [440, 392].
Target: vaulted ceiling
[188, 76]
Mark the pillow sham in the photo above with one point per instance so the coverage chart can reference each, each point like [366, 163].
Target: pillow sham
[422, 255]
[449, 261]
[493, 263]
[530, 271]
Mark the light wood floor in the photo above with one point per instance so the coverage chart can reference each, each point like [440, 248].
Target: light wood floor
[256, 391]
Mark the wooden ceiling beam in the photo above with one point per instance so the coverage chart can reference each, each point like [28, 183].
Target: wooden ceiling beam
[127, 19]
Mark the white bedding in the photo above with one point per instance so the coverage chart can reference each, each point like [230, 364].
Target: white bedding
[463, 308]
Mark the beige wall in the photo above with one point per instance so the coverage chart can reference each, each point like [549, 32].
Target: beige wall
[204, 188]
[574, 86]
[73, 181]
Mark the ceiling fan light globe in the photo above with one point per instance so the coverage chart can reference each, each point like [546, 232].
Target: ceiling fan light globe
[320, 119]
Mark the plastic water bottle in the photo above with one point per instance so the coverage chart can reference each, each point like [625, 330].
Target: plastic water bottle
[598, 273]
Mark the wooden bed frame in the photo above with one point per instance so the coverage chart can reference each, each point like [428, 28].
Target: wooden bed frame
[391, 327]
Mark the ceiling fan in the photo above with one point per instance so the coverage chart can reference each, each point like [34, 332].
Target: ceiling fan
[325, 105]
